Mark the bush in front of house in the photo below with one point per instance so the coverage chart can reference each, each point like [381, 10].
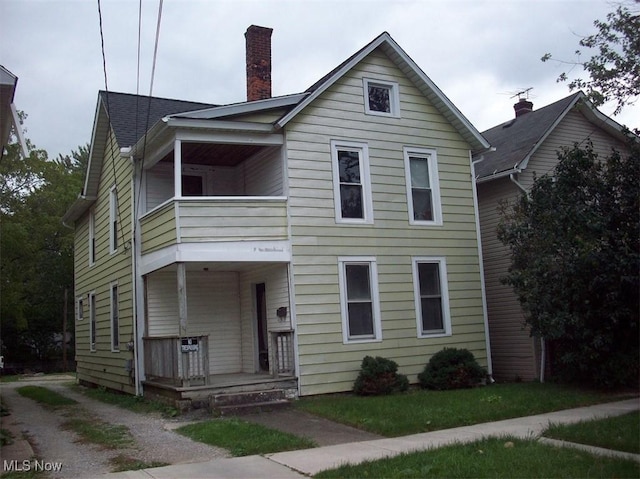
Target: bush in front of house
[452, 368]
[379, 376]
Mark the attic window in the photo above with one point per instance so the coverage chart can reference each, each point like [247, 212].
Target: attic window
[381, 98]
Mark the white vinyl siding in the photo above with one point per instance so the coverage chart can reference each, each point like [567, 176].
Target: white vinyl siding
[351, 184]
[432, 297]
[423, 186]
[213, 309]
[359, 300]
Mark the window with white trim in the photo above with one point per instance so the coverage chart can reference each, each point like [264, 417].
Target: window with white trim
[115, 318]
[359, 299]
[113, 220]
[381, 98]
[423, 186]
[92, 237]
[351, 183]
[92, 321]
[79, 309]
[431, 296]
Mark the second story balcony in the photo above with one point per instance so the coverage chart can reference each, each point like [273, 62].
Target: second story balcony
[209, 201]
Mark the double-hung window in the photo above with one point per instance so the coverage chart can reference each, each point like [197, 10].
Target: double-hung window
[113, 219]
[423, 189]
[352, 188]
[381, 98]
[358, 279]
[115, 318]
[431, 296]
[92, 321]
[80, 309]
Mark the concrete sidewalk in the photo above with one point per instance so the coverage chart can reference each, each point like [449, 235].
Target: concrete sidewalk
[307, 462]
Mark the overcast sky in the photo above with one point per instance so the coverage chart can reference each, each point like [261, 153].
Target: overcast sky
[480, 53]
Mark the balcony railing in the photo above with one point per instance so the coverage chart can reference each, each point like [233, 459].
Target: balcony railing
[214, 219]
[177, 361]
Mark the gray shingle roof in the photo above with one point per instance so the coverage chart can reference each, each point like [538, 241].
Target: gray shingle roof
[128, 113]
[515, 139]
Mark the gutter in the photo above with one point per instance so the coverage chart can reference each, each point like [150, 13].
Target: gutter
[483, 289]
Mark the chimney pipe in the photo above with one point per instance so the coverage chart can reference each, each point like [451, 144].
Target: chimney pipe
[523, 107]
[258, 49]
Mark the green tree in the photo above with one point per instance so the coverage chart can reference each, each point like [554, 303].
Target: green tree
[575, 251]
[36, 260]
[614, 68]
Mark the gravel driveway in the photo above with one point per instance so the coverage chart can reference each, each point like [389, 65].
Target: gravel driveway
[155, 440]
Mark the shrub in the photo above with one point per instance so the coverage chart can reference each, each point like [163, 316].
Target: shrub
[379, 376]
[451, 368]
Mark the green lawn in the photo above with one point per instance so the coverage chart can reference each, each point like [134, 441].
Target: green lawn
[422, 411]
[490, 458]
[620, 433]
[45, 396]
[241, 438]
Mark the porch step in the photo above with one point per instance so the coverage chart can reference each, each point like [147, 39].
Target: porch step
[247, 403]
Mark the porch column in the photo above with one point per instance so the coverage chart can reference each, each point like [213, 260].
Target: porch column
[177, 168]
[182, 298]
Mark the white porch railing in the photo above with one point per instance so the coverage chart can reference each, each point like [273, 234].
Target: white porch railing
[181, 361]
[282, 347]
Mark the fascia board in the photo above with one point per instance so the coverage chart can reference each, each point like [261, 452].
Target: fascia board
[243, 108]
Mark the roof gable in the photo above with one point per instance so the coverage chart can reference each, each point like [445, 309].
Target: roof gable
[412, 71]
[515, 141]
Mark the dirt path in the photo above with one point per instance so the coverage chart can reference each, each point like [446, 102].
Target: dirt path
[155, 440]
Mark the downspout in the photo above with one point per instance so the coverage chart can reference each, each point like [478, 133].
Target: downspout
[543, 348]
[485, 313]
[135, 257]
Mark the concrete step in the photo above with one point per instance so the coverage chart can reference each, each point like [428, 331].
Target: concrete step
[247, 402]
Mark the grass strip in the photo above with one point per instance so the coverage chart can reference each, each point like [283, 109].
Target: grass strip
[127, 401]
[122, 463]
[109, 436]
[242, 438]
[422, 411]
[490, 458]
[621, 433]
[45, 396]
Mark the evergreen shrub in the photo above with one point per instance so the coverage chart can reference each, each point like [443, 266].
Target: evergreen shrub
[452, 368]
[379, 376]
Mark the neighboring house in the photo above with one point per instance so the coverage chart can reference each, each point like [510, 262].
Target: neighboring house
[8, 114]
[275, 243]
[526, 147]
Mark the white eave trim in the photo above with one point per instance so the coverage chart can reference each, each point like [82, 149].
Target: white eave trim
[227, 125]
[386, 40]
[243, 108]
[501, 174]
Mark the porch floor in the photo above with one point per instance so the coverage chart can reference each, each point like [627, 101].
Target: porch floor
[220, 384]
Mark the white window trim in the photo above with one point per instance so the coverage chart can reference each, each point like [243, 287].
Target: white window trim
[444, 290]
[79, 308]
[365, 179]
[394, 97]
[434, 180]
[93, 320]
[375, 298]
[92, 237]
[113, 217]
[114, 308]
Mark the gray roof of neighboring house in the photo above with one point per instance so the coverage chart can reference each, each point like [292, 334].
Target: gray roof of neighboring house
[514, 140]
[132, 115]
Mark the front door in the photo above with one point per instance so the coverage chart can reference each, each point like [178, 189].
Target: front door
[261, 326]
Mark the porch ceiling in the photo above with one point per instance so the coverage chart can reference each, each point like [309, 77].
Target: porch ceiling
[214, 154]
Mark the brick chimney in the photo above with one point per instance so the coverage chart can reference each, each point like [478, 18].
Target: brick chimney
[523, 107]
[258, 62]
